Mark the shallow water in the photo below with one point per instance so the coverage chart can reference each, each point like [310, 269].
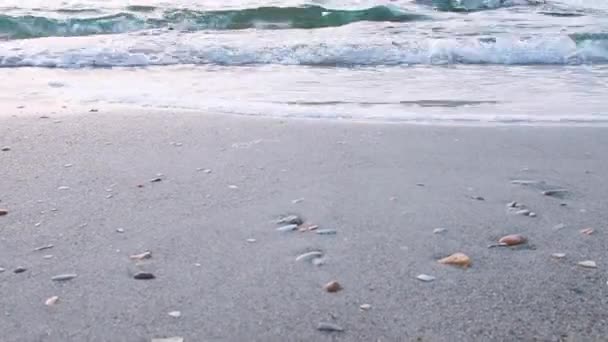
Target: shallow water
[426, 61]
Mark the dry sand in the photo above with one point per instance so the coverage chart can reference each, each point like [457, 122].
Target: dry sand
[384, 188]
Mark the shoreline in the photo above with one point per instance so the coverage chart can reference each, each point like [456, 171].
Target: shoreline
[384, 188]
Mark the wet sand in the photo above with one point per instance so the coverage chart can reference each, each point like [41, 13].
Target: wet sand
[72, 181]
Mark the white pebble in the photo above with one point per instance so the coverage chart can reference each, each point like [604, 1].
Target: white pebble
[175, 314]
[425, 277]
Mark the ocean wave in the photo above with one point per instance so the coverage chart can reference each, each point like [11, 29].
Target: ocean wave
[200, 49]
[306, 17]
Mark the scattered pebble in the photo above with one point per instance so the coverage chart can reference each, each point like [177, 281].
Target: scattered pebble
[175, 314]
[120, 230]
[588, 264]
[20, 269]
[156, 180]
[6, 149]
[143, 276]
[168, 339]
[306, 227]
[200, 169]
[2, 269]
[141, 256]
[51, 301]
[48, 256]
[298, 200]
[587, 231]
[327, 231]
[3, 212]
[68, 165]
[290, 219]
[525, 182]
[41, 248]
[37, 224]
[64, 277]
[109, 196]
[329, 327]
[510, 240]
[456, 259]
[309, 256]
[419, 184]
[93, 110]
[251, 240]
[425, 277]
[365, 307]
[563, 204]
[318, 261]
[63, 187]
[233, 187]
[478, 198]
[287, 228]
[558, 255]
[332, 287]
[439, 230]
[532, 214]
[559, 193]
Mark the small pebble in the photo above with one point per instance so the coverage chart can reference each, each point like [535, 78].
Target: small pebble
[233, 187]
[251, 240]
[120, 230]
[175, 314]
[425, 277]
[332, 287]
[306, 227]
[156, 180]
[6, 149]
[555, 193]
[64, 277]
[68, 165]
[318, 261]
[51, 301]
[287, 228]
[588, 264]
[329, 327]
[326, 231]
[365, 307]
[2, 269]
[143, 276]
[587, 231]
[524, 212]
[478, 198]
[93, 110]
[558, 255]
[41, 248]
[37, 224]
[296, 201]
[563, 204]
[3, 212]
[532, 214]
[20, 269]
[63, 188]
[168, 339]
[419, 184]
[439, 230]
[141, 256]
[109, 196]
[48, 256]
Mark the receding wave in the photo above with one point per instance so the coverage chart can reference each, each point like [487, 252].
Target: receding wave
[306, 17]
[476, 5]
[195, 49]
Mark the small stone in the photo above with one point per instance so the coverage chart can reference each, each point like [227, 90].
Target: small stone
[309, 256]
[156, 180]
[143, 276]
[587, 231]
[20, 269]
[2, 269]
[197, 264]
[93, 110]
[478, 198]
[306, 227]
[251, 240]
[512, 240]
[296, 201]
[168, 339]
[329, 327]
[175, 314]
[419, 184]
[109, 196]
[51, 301]
[68, 165]
[559, 193]
[532, 214]
[63, 187]
[456, 259]
[179, 144]
[525, 182]
[6, 149]
[365, 307]
[3, 212]
[48, 256]
[120, 230]
[233, 187]
[563, 204]
[290, 219]
[327, 232]
[41, 248]
[332, 287]
[524, 212]
[513, 205]
[141, 256]
[64, 277]
[558, 255]
[318, 261]
[287, 228]
[37, 224]
[439, 230]
[588, 264]
[425, 277]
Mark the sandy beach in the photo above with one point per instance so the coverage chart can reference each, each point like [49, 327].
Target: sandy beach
[83, 184]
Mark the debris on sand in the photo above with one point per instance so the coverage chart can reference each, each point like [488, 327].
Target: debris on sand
[478, 198]
[290, 219]
[64, 277]
[156, 180]
[559, 193]
[143, 276]
[365, 307]
[588, 264]
[329, 327]
[51, 301]
[297, 200]
[587, 231]
[41, 248]
[309, 256]
[175, 314]
[3, 212]
[558, 255]
[425, 277]
[19, 269]
[332, 287]
[141, 256]
[287, 228]
[439, 230]
[306, 227]
[456, 259]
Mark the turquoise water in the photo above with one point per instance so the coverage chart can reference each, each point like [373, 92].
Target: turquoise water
[307, 48]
